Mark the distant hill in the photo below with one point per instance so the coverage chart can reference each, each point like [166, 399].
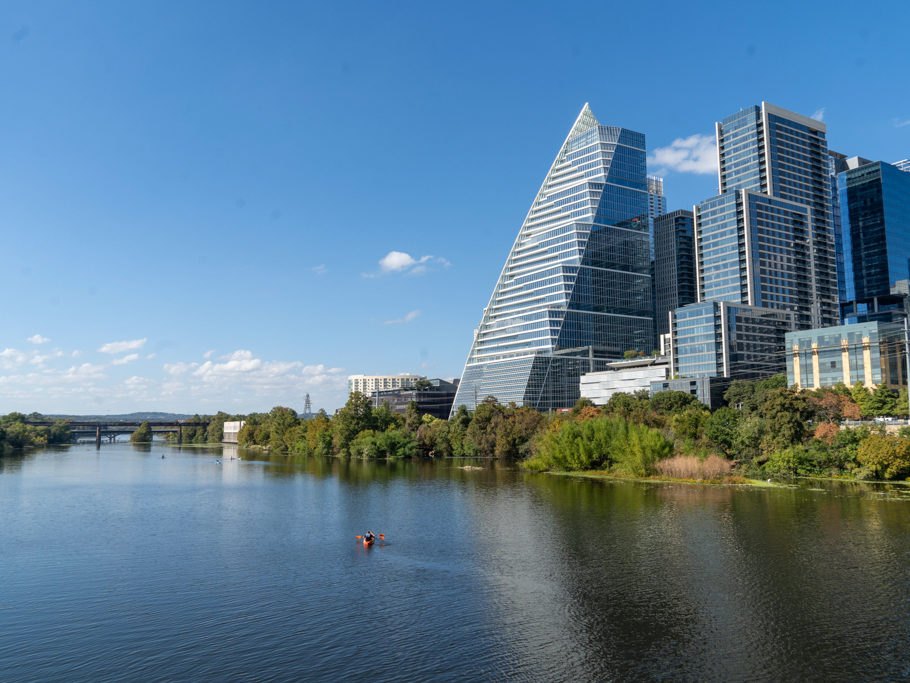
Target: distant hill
[128, 417]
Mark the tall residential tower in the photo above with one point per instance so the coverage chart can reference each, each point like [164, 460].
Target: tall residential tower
[767, 241]
[768, 238]
[575, 291]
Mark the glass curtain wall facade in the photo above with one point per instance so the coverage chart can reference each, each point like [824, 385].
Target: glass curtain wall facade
[775, 209]
[875, 218]
[837, 162]
[674, 266]
[766, 243]
[575, 291]
[722, 339]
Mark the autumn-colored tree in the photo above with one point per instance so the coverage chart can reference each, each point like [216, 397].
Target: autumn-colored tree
[826, 431]
[589, 413]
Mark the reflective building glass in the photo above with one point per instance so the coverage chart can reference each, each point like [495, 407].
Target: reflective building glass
[875, 201]
[575, 291]
[674, 266]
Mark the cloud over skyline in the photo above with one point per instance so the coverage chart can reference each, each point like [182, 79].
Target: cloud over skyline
[403, 263]
[121, 346]
[694, 154]
[404, 319]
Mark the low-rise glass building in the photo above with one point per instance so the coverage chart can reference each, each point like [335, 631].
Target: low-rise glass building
[869, 352]
[723, 339]
[433, 397]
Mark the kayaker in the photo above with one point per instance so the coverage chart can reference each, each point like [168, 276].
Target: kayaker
[369, 537]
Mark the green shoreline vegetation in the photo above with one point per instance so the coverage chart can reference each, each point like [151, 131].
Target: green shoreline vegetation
[767, 430]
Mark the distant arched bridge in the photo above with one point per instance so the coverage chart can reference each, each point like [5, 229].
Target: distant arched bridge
[111, 430]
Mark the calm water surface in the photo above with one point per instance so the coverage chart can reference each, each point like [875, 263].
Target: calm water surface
[120, 565]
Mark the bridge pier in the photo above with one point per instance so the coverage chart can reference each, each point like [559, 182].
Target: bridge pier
[179, 434]
[98, 436]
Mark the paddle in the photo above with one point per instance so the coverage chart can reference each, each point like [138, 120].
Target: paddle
[379, 536]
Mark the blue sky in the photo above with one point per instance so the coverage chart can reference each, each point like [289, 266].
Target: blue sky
[199, 202]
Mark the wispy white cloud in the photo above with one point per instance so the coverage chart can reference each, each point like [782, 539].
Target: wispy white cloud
[819, 114]
[237, 362]
[125, 359]
[209, 353]
[404, 264]
[10, 359]
[86, 371]
[404, 319]
[39, 359]
[320, 269]
[121, 346]
[175, 369]
[37, 339]
[900, 123]
[694, 154]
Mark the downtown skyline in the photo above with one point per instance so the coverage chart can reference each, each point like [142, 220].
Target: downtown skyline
[209, 209]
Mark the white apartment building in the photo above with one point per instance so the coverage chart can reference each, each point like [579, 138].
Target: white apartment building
[367, 384]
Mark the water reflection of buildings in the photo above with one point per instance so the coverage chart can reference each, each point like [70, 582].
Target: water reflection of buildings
[692, 581]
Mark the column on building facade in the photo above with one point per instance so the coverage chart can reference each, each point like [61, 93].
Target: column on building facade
[867, 363]
[816, 373]
[845, 359]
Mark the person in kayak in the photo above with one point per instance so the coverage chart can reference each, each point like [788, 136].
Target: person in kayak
[369, 537]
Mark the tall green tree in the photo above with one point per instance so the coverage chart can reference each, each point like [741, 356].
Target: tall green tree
[861, 397]
[412, 417]
[882, 402]
[353, 418]
[480, 437]
[720, 429]
[279, 421]
[786, 413]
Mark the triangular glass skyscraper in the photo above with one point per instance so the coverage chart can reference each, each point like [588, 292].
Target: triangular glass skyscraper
[575, 292]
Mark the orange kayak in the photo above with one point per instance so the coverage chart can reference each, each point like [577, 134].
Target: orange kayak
[367, 544]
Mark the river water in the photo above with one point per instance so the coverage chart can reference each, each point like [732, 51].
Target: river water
[119, 564]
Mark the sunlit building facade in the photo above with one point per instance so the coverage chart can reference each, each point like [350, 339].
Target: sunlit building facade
[575, 291]
[367, 384]
[765, 245]
[768, 238]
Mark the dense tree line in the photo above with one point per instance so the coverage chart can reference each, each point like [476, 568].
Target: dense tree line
[17, 434]
[765, 429]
